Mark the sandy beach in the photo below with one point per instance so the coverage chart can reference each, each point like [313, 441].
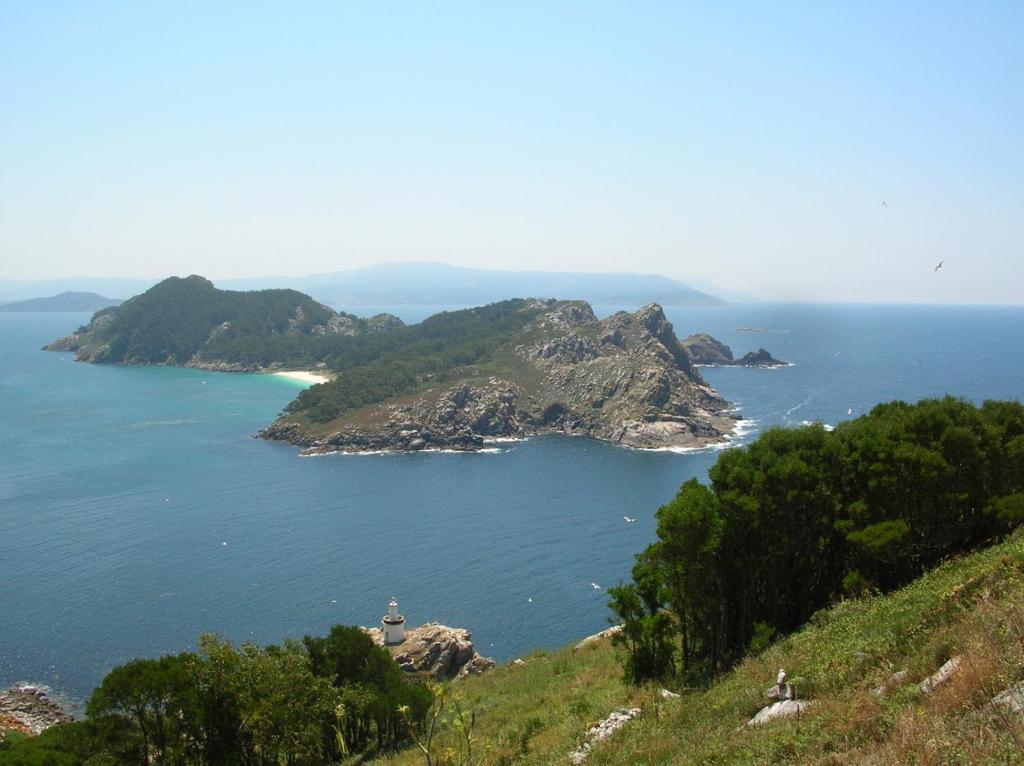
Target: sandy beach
[306, 377]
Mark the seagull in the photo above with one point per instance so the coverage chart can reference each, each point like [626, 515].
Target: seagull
[530, 600]
[223, 544]
[849, 411]
[595, 586]
[884, 204]
[836, 354]
[939, 266]
[628, 519]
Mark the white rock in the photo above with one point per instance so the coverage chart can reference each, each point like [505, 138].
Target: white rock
[600, 731]
[1012, 698]
[783, 709]
[665, 694]
[940, 677]
[598, 636]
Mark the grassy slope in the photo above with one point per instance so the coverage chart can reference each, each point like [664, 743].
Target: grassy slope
[538, 713]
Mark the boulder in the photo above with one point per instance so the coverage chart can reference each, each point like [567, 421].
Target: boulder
[941, 676]
[777, 710]
[607, 633]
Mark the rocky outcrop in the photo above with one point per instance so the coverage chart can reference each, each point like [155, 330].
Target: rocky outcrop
[601, 731]
[941, 676]
[439, 651]
[626, 380]
[28, 709]
[598, 637]
[777, 710]
[704, 350]
[784, 703]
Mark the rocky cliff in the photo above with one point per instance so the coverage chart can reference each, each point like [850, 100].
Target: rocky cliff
[439, 651]
[702, 349]
[626, 379]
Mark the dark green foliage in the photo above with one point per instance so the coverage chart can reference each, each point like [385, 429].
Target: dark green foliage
[373, 688]
[235, 706]
[802, 516]
[378, 366]
[179, 318]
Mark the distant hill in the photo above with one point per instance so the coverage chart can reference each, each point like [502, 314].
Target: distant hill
[70, 301]
[441, 284]
[424, 284]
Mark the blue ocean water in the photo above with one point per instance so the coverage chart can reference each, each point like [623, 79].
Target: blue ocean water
[136, 512]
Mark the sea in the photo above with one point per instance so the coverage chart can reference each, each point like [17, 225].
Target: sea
[137, 512]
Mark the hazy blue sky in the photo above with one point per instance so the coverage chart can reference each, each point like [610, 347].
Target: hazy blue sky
[748, 144]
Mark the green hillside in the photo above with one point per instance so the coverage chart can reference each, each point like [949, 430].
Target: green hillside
[538, 713]
[188, 321]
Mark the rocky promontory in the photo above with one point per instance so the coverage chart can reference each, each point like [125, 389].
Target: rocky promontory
[626, 379]
[29, 709]
[441, 652]
[704, 350]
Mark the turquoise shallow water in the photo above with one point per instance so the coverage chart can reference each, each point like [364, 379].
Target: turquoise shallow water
[136, 512]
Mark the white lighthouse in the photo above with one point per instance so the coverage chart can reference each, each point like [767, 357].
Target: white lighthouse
[394, 624]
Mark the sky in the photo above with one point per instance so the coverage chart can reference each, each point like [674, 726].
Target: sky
[748, 144]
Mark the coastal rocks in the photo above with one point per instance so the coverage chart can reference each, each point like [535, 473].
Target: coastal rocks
[29, 709]
[601, 731]
[702, 349]
[439, 651]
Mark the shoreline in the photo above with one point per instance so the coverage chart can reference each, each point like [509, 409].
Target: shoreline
[302, 376]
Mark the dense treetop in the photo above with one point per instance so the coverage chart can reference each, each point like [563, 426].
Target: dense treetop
[802, 516]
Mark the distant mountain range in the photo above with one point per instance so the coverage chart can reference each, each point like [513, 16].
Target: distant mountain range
[70, 301]
[424, 284]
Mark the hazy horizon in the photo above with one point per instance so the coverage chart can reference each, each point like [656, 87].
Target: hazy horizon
[749, 146]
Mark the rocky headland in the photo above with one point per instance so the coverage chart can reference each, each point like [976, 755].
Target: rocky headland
[436, 650]
[704, 350]
[626, 379]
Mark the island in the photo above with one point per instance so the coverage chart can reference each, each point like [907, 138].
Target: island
[459, 380]
[706, 351]
[64, 302]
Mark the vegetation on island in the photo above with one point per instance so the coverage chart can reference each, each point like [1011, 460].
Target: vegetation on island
[188, 321]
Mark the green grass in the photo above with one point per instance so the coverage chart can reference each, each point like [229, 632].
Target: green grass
[539, 712]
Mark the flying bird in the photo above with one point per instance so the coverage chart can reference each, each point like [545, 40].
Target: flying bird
[628, 520]
[939, 266]
[595, 586]
[884, 204]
